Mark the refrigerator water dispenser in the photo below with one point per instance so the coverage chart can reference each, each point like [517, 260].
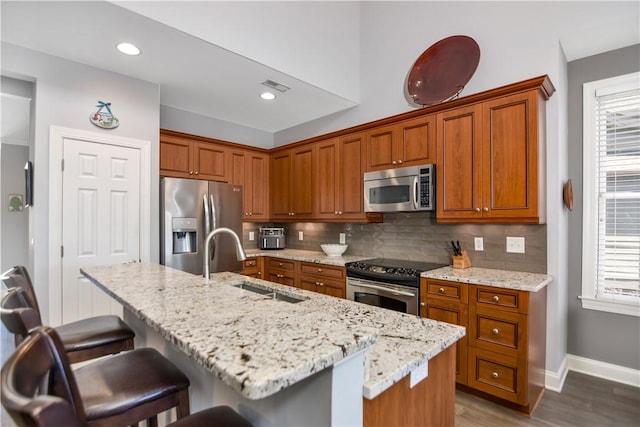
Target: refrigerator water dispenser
[185, 238]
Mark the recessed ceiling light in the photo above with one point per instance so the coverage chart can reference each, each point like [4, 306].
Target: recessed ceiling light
[267, 96]
[128, 49]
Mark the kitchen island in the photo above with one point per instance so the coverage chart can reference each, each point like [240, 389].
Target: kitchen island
[318, 361]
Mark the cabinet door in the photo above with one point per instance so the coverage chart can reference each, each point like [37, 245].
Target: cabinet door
[250, 169]
[350, 177]
[280, 185]
[510, 157]
[459, 166]
[416, 144]
[327, 179]
[211, 162]
[457, 314]
[176, 157]
[380, 151]
[302, 170]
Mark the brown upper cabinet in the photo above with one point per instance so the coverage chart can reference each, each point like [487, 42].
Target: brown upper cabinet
[339, 180]
[488, 167]
[251, 170]
[292, 183]
[182, 157]
[407, 143]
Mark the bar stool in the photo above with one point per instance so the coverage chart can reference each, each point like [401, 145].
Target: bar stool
[62, 402]
[84, 339]
[40, 388]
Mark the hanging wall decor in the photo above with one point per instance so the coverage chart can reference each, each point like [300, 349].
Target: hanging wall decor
[103, 117]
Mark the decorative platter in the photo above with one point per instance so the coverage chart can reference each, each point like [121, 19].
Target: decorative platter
[442, 71]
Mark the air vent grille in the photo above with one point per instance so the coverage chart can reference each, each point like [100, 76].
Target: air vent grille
[275, 85]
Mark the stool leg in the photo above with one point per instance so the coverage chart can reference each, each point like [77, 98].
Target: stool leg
[182, 410]
[153, 421]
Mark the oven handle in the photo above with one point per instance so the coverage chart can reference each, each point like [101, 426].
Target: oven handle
[382, 288]
[416, 192]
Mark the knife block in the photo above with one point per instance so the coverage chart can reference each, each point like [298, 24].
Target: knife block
[461, 261]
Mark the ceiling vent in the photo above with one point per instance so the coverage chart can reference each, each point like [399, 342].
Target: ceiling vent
[275, 85]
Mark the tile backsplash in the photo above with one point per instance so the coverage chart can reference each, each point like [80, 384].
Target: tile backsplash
[416, 236]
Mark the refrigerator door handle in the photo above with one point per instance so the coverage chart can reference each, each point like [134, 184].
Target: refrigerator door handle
[214, 225]
[207, 218]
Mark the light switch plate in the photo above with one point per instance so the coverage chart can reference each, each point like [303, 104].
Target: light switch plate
[478, 243]
[343, 238]
[252, 235]
[300, 235]
[515, 245]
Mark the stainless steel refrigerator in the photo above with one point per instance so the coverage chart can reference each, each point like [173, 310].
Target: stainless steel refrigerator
[189, 210]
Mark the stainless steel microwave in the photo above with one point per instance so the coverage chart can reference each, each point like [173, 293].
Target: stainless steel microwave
[400, 190]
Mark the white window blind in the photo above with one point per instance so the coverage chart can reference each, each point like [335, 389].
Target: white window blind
[611, 232]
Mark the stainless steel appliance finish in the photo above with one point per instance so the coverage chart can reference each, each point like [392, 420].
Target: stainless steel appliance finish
[189, 210]
[400, 190]
[387, 283]
[272, 238]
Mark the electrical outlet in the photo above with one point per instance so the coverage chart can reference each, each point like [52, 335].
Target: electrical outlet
[343, 238]
[300, 235]
[252, 236]
[515, 245]
[478, 243]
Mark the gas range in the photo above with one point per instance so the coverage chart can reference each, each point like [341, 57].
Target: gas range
[394, 271]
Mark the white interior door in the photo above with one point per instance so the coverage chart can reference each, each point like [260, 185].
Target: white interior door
[100, 220]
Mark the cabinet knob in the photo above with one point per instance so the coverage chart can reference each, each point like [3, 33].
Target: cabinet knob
[335, 212]
[495, 331]
[279, 276]
[196, 172]
[320, 284]
[477, 209]
[494, 375]
[319, 270]
[399, 162]
[422, 304]
[441, 290]
[485, 209]
[259, 273]
[190, 172]
[394, 162]
[495, 298]
[339, 212]
[280, 264]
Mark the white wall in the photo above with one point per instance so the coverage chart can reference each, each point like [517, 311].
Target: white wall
[65, 95]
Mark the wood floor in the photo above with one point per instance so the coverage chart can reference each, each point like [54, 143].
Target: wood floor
[585, 401]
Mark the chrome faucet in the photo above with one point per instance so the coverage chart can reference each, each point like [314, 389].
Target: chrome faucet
[239, 250]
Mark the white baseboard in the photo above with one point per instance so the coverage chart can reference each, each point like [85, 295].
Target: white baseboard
[555, 380]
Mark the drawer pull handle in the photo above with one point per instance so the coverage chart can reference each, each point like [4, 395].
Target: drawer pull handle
[441, 290]
[422, 304]
[495, 331]
[319, 270]
[495, 298]
[280, 264]
[494, 375]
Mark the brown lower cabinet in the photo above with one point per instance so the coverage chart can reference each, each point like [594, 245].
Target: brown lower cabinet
[253, 267]
[502, 357]
[322, 278]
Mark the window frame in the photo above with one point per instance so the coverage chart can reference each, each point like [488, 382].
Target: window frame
[614, 304]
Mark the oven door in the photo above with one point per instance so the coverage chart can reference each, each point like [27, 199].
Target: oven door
[393, 297]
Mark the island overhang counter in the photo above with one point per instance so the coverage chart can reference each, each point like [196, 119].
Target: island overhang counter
[319, 361]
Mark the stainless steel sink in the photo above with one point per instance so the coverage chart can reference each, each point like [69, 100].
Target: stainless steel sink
[267, 292]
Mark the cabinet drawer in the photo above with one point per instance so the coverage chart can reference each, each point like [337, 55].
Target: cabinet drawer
[323, 270]
[499, 331]
[498, 375]
[250, 262]
[447, 290]
[281, 278]
[281, 264]
[504, 299]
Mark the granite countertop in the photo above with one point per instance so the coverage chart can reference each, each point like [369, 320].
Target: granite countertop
[306, 256]
[531, 282]
[259, 346]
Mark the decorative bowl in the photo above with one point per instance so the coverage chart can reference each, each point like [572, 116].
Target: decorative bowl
[334, 249]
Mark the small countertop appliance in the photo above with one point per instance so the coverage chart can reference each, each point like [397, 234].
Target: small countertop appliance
[271, 238]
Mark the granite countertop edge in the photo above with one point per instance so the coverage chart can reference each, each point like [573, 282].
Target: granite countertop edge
[518, 280]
